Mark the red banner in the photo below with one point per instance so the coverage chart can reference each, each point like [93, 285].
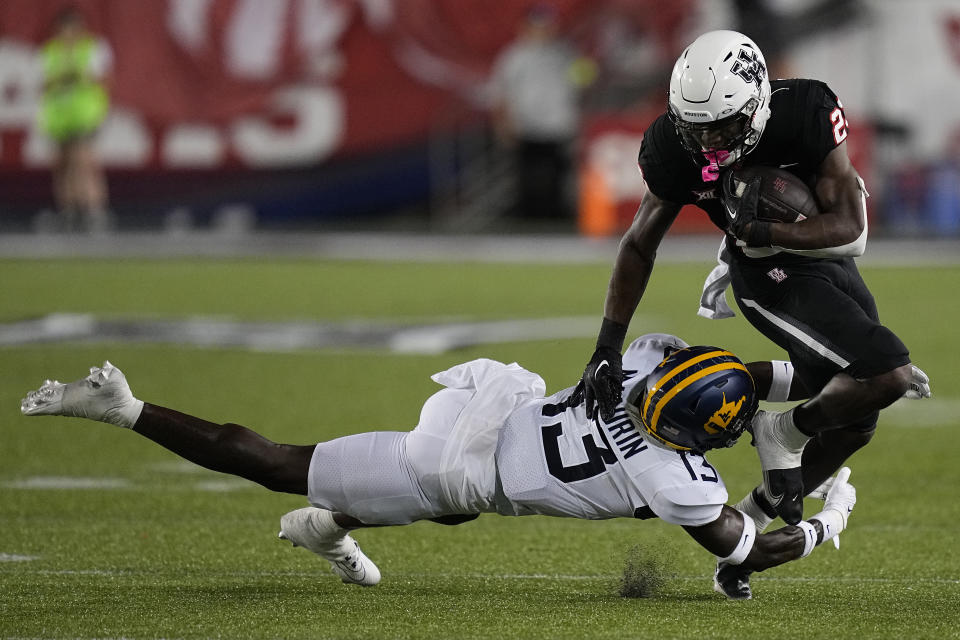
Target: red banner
[269, 83]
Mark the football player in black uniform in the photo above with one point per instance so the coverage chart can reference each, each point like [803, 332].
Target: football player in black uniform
[796, 283]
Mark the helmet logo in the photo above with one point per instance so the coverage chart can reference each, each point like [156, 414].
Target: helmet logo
[749, 67]
[723, 416]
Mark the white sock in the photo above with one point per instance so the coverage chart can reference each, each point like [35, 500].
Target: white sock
[126, 416]
[787, 431]
[325, 518]
[750, 507]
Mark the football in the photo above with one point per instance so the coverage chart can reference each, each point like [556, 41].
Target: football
[783, 196]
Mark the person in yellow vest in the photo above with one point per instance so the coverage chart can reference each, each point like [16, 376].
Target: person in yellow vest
[75, 102]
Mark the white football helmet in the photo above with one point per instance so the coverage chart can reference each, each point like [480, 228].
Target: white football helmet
[720, 97]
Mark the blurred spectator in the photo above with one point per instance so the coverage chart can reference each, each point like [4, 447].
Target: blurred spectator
[75, 103]
[536, 83]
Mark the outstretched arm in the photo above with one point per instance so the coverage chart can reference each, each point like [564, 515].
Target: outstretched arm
[722, 536]
[603, 376]
[634, 263]
[732, 536]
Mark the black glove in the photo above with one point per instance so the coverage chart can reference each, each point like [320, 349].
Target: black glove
[603, 382]
[741, 212]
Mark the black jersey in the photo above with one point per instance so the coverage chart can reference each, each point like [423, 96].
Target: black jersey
[806, 123]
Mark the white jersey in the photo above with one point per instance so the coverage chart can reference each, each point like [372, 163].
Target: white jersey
[552, 460]
[489, 441]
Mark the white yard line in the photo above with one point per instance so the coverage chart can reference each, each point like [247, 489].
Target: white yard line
[66, 482]
[283, 337]
[16, 557]
[75, 483]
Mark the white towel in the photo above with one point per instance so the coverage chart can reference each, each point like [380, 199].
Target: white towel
[713, 300]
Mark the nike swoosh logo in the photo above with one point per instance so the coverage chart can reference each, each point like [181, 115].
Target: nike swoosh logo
[357, 573]
[603, 363]
[730, 212]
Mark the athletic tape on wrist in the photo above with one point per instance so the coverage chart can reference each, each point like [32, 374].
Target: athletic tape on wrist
[782, 379]
[809, 537]
[832, 522]
[747, 538]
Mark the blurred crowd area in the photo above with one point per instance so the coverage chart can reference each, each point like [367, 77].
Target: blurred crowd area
[438, 115]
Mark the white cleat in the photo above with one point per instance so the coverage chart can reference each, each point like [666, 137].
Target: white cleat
[314, 530]
[104, 395]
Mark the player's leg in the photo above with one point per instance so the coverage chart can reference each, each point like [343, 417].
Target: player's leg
[377, 479]
[824, 316]
[232, 448]
[105, 396]
[877, 371]
[228, 448]
[843, 414]
[827, 451]
[845, 399]
[823, 454]
[391, 477]
[367, 480]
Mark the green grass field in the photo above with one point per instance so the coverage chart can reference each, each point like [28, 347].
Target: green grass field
[155, 548]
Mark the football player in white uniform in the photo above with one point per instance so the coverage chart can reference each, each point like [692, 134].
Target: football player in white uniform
[491, 442]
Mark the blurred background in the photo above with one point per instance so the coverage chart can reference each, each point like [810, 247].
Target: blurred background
[289, 213]
[435, 115]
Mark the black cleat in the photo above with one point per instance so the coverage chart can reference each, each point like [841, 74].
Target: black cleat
[733, 581]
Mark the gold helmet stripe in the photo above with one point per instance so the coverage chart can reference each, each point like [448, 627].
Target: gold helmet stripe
[686, 382]
[679, 368]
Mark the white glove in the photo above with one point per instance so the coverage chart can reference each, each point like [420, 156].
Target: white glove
[919, 384]
[820, 493]
[840, 498]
